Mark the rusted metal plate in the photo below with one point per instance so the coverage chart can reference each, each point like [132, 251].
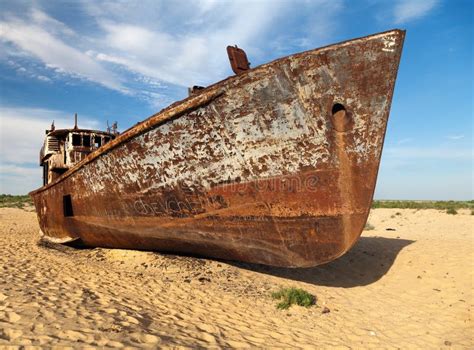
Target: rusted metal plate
[238, 59]
[276, 166]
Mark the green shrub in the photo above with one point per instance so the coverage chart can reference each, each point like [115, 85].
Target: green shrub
[451, 211]
[290, 296]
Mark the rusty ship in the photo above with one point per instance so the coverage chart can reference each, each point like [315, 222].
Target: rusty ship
[275, 165]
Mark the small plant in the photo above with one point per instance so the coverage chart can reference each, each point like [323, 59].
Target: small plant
[451, 211]
[369, 227]
[472, 211]
[398, 213]
[290, 296]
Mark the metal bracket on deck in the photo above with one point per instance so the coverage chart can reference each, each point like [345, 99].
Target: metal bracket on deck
[238, 59]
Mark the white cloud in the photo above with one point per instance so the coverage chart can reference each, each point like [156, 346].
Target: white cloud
[19, 179]
[15, 170]
[21, 138]
[407, 10]
[314, 29]
[31, 73]
[153, 50]
[194, 56]
[184, 43]
[53, 25]
[405, 140]
[43, 78]
[39, 37]
[22, 131]
[158, 42]
[455, 137]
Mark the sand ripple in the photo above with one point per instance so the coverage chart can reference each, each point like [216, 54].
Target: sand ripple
[411, 287]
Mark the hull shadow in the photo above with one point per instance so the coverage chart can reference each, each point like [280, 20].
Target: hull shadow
[368, 261]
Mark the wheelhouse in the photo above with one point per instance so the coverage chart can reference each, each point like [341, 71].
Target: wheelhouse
[63, 148]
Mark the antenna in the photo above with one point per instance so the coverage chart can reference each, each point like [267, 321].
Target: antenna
[52, 126]
[75, 120]
[114, 128]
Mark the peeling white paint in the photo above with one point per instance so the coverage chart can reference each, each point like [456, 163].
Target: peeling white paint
[389, 43]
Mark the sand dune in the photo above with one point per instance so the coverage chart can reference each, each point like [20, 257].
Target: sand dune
[407, 287]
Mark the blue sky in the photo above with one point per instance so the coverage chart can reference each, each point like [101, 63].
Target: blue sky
[112, 60]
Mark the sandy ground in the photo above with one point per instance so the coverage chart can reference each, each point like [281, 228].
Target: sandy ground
[407, 283]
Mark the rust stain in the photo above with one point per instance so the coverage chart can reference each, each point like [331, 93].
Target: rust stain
[276, 165]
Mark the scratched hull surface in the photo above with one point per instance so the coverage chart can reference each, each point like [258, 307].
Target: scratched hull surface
[261, 167]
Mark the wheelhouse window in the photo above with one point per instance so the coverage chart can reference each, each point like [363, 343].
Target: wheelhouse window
[86, 140]
[76, 139]
[97, 141]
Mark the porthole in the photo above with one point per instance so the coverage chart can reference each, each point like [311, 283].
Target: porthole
[341, 118]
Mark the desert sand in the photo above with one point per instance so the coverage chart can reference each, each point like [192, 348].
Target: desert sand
[406, 284]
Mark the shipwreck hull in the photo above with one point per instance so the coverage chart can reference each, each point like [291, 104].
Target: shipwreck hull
[275, 166]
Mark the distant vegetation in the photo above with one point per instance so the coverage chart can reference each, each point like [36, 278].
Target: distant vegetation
[9, 201]
[440, 205]
[293, 296]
